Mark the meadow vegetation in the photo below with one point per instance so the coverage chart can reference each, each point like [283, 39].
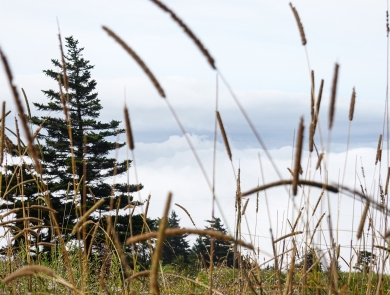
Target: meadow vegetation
[69, 232]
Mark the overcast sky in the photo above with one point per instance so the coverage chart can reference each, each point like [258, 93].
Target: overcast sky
[257, 47]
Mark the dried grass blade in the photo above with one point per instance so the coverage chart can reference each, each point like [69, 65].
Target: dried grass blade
[298, 155]
[362, 220]
[311, 136]
[318, 103]
[187, 31]
[137, 59]
[378, 150]
[319, 160]
[25, 231]
[46, 244]
[296, 221]
[118, 246]
[318, 202]
[315, 228]
[65, 77]
[154, 289]
[28, 271]
[333, 96]
[214, 291]
[2, 133]
[286, 182]
[129, 132]
[9, 212]
[352, 105]
[143, 273]
[245, 205]
[21, 219]
[40, 207]
[180, 231]
[188, 214]
[387, 181]
[225, 139]
[299, 23]
[288, 235]
[86, 215]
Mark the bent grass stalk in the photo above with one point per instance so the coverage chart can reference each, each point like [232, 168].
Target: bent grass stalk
[180, 231]
[189, 33]
[153, 284]
[139, 61]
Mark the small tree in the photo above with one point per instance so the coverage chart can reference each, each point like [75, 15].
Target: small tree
[175, 248]
[364, 261]
[74, 183]
[311, 259]
[223, 250]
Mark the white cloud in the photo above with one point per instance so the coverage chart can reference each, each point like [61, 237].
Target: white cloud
[171, 166]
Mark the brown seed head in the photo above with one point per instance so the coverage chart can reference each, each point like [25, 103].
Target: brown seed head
[129, 132]
[225, 139]
[362, 221]
[187, 31]
[298, 155]
[333, 97]
[352, 106]
[137, 59]
[378, 150]
[299, 23]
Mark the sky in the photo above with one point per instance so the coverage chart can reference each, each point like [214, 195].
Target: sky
[257, 48]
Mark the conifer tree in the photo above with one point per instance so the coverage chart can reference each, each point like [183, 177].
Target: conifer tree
[223, 250]
[92, 163]
[175, 248]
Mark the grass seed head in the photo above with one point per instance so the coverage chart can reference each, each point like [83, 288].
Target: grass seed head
[299, 23]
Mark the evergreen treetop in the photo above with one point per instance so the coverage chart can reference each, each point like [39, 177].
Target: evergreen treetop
[223, 250]
[177, 246]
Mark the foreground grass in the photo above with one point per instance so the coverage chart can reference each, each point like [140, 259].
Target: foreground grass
[104, 275]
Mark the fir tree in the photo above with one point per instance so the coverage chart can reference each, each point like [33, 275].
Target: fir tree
[175, 248]
[92, 161]
[223, 250]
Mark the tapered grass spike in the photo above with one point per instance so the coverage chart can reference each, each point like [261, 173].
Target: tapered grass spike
[287, 236]
[224, 136]
[298, 155]
[299, 23]
[189, 33]
[333, 96]
[186, 211]
[321, 156]
[363, 220]
[245, 205]
[378, 150]
[137, 59]
[169, 232]
[387, 181]
[311, 136]
[63, 63]
[2, 138]
[318, 103]
[352, 105]
[129, 132]
[153, 285]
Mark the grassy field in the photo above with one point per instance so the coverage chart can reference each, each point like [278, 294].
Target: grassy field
[298, 266]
